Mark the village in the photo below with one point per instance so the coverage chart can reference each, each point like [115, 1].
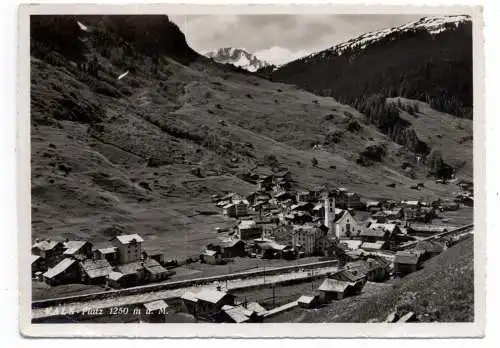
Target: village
[366, 241]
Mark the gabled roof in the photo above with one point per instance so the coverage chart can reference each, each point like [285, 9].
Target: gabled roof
[59, 268]
[229, 243]
[109, 250]
[372, 246]
[305, 299]
[96, 268]
[210, 252]
[189, 296]
[73, 246]
[238, 314]
[386, 227]
[34, 258]
[353, 275]
[128, 238]
[333, 285]
[209, 295]
[369, 232]
[46, 245]
[153, 267]
[156, 305]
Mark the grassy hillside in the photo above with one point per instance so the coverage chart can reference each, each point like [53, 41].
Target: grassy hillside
[144, 153]
[442, 291]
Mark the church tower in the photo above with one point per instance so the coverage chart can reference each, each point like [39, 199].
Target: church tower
[329, 205]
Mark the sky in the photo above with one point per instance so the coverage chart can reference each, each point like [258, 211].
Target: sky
[280, 38]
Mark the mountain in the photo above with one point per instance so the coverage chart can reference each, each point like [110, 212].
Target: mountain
[238, 57]
[133, 131]
[429, 60]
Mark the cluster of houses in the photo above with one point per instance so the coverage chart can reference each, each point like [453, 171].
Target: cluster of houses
[124, 263]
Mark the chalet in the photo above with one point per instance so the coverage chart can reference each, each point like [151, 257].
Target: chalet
[37, 264]
[298, 217]
[129, 247]
[373, 204]
[257, 308]
[349, 274]
[410, 204]
[232, 248]
[373, 235]
[206, 303]
[248, 230]
[269, 249]
[211, 257]
[333, 289]
[77, 248]
[153, 271]
[49, 250]
[376, 232]
[65, 272]
[109, 254]
[308, 301]
[283, 175]
[428, 249]
[283, 195]
[236, 208]
[95, 271]
[157, 255]
[154, 312]
[407, 262]
[237, 314]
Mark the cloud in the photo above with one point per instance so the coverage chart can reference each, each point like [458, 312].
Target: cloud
[279, 55]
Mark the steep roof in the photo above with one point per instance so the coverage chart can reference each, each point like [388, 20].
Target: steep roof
[238, 314]
[128, 238]
[256, 307]
[96, 268]
[115, 275]
[333, 285]
[73, 246]
[59, 268]
[156, 305]
[407, 258]
[154, 267]
[46, 245]
[34, 258]
[245, 224]
[209, 295]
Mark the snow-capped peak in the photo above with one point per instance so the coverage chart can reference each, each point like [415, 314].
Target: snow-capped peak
[237, 57]
[434, 25]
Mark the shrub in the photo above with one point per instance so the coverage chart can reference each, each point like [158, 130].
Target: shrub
[314, 162]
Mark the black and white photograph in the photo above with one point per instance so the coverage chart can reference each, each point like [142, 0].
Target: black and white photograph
[252, 168]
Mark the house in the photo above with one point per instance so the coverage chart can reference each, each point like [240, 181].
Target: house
[153, 271]
[50, 251]
[410, 204]
[77, 248]
[236, 314]
[373, 204]
[65, 272]
[109, 254]
[407, 262]
[350, 274]
[377, 231]
[154, 312]
[206, 303]
[348, 200]
[257, 308]
[424, 229]
[236, 208]
[310, 239]
[118, 280]
[308, 301]
[248, 230]
[157, 255]
[374, 246]
[95, 271]
[344, 225]
[129, 247]
[138, 272]
[37, 264]
[211, 257]
[232, 248]
[303, 196]
[333, 289]
[375, 268]
[269, 249]
[428, 248]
